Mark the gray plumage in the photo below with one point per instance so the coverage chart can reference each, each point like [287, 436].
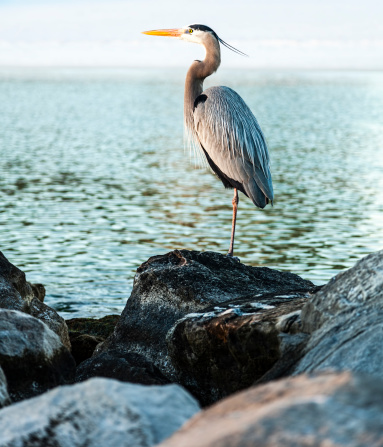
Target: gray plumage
[219, 122]
[230, 134]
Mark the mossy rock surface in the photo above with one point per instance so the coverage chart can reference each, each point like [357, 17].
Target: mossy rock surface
[97, 327]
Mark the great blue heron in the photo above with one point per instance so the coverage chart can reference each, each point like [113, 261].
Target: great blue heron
[221, 124]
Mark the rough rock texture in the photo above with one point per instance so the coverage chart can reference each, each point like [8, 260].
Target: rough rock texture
[168, 287]
[4, 396]
[345, 319]
[38, 291]
[83, 346]
[228, 347]
[97, 327]
[31, 355]
[17, 294]
[328, 410]
[51, 318]
[97, 413]
[124, 366]
[86, 333]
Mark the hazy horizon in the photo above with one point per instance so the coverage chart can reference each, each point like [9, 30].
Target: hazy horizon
[276, 35]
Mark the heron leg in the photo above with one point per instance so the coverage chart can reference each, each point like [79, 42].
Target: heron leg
[235, 207]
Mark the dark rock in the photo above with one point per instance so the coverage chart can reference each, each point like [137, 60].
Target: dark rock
[291, 347]
[86, 333]
[345, 320]
[228, 347]
[38, 291]
[97, 413]
[339, 409]
[17, 294]
[98, 327]
[83, 346]
[168, 287]
[13, 284]
[127, 367]
[4, 396]
[32, 356]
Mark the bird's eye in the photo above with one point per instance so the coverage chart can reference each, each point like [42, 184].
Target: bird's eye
[190, 31]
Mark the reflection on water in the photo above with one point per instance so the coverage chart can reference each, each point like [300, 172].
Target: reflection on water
[94, 178]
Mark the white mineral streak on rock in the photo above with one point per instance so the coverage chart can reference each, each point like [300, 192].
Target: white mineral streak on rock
[193, 315]
[228, 311]
[283, 320]
[262, 306]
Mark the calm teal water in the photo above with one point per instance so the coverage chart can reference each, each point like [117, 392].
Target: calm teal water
[94, 178]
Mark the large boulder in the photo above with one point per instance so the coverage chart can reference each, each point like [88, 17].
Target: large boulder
[230, 346]
[168, 287]
[345, 320]
[17, 294]
[125, 366]
[4, 396]
[339, 409]
[97, 413]
[32, 356]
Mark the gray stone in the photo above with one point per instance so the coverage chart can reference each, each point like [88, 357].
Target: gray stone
[338, 409]
[17, 294]
[230, 346]
[97, 413]
[345, 320]
[51, 318]
[168, 287]
[38, 291]
[125, 366]
[4, 396]
[31, 355]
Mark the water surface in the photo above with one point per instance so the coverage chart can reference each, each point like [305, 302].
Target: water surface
[94, 178]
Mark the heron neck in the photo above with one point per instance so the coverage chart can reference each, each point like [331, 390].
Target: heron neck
[197, 73]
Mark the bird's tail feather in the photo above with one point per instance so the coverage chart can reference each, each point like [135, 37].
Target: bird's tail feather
[256, 194]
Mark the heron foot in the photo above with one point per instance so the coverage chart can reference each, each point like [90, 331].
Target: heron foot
[233, 257]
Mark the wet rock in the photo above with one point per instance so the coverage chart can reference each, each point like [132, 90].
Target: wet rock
[86, 333]
[98, 412]
[4, 396]
[228, 347]
[13, 286]
[97, 327]
[345, 320]
[168, 287]
[83, 346]
[124, 366]
[38, 291]
[17, 294]
[32, 356]
[339, 409]
[51, 318]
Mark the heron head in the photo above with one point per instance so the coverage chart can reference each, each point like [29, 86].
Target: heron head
[193, 33]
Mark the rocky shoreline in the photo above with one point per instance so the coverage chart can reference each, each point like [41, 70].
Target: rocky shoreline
[270, 358]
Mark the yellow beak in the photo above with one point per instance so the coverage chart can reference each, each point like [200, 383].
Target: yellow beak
[165, 32]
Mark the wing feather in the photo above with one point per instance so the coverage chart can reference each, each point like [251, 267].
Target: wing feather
[230, 134]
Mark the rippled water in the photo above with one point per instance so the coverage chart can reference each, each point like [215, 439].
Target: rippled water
[94, 178]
